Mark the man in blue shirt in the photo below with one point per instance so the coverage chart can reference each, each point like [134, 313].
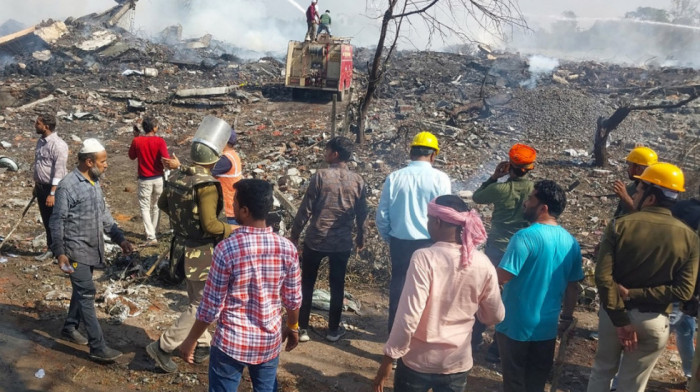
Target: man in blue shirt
[542, 265]
[402, 214]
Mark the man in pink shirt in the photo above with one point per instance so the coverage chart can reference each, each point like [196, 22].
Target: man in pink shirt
[149, 149]
[447, 285]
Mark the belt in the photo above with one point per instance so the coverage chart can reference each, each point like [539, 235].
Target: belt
[644, 309]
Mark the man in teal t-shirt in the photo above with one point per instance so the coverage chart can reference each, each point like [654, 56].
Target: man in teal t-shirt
[542, 265]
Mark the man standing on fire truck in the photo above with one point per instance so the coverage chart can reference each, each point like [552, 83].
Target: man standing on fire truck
[311, 21]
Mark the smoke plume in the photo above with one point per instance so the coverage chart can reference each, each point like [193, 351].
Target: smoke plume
[596, 32]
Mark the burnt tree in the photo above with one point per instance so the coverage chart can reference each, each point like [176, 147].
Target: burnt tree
[488, 14]
[605, 126]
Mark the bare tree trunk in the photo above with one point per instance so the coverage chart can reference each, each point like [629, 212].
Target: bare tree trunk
[487, 13]
[375, 74]
[600, 151]
[605, 126]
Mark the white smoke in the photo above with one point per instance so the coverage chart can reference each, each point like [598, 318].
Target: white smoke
[539, 66]
[267, 25]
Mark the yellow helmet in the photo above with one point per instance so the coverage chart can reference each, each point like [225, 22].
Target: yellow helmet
[664, 175]
[426, 139]
[644, 156]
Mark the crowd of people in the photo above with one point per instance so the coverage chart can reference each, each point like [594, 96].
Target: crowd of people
[444, 291]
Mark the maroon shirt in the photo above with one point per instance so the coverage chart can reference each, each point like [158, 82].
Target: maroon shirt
[311, 13]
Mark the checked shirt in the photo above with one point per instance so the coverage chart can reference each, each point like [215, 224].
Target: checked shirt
[254, 273]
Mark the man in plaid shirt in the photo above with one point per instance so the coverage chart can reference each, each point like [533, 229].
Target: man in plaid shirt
[254, 273]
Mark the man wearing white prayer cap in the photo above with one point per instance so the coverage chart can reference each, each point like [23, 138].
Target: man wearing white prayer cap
[79, 218]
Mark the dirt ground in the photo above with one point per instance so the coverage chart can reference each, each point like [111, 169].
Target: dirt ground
[30, 322]
[30, 341]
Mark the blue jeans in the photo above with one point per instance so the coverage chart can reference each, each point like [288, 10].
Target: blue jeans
[409, 380]
[225, 373]
[322, 27]
[684, 328]
[232, 221]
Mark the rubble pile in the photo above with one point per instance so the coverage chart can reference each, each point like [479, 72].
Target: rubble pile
[477, 104]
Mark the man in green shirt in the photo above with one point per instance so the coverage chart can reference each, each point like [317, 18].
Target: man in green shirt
[507, 218]
[325, 20]
[637, 160]
[647, 260]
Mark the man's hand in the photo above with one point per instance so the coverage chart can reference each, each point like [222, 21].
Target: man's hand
[564, 324]
[620, 190]
[628, 337]
[502, 169]
[187, 350]
[171, 163]
[292, 338]
[126, 246]
[382, 374]
[64, 264]
[624, 292]
[50, 200]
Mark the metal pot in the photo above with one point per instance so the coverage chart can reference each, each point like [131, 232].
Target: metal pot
[213, 132]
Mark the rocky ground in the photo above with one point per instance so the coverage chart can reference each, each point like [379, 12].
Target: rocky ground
[478, 105]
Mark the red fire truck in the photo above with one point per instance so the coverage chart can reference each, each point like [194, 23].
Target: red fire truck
[324, 65]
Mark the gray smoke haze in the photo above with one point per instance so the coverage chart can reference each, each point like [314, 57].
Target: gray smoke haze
[267, 25]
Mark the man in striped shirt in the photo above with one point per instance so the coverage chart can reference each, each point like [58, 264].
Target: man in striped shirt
[253, 274]
[50, 157]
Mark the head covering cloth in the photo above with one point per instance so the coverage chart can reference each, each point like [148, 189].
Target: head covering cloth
[473, 232]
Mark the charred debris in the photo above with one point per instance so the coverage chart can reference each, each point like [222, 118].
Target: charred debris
[99, 77]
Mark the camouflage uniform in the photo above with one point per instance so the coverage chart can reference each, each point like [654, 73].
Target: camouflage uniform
[193, 244]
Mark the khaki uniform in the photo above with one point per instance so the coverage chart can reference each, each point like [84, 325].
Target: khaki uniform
[694, 384]
[192, 199]
[655, 256]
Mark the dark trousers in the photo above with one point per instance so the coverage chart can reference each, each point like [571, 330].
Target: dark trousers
[409, 380]
[526, 365]
[337, 263]
[42, 192]
[400, 252]
[495, 255]
[82, 306]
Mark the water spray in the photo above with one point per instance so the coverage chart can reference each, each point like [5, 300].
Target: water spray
[299, 7]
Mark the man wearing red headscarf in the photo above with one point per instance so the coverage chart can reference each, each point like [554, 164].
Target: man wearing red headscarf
[507, 218]
[447, 285]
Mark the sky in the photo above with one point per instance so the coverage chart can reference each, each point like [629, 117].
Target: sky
[267, 25]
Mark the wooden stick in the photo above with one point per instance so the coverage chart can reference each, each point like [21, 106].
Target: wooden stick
[21, 33]
[76, 374]
[18, 221]
[158, 261]
[286, 204]
[333, 116]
